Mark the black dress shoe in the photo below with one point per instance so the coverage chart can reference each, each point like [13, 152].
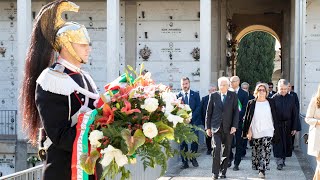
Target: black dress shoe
[194, 163]
[280, 167]
[236, 168]
[184, 166]
[214, 177]
[223, 176]
[229, 164]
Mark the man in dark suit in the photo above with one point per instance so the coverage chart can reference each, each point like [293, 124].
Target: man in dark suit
[191, 98]
[271, 91]
[204, 105]
[221, 122]
[243, 97]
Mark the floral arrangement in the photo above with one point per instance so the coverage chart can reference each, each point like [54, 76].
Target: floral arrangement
[137, 118]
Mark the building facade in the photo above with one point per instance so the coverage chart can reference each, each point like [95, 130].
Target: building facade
[166, 36]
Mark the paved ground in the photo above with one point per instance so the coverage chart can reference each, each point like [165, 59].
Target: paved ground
[297, 168]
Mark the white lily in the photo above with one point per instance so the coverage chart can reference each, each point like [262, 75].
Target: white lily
[111, 153]
[174, 119]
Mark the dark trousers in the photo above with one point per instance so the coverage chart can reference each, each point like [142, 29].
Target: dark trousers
[240, 148]
[184, 147]
[221, 142]
[208, 143]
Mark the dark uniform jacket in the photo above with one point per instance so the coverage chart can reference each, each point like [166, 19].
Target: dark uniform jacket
[54, 113]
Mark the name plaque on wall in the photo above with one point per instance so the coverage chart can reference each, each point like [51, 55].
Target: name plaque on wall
[168, 51]
[313, 29]
[166, 10]
[8, 11]
[168, 31]
[7, 164]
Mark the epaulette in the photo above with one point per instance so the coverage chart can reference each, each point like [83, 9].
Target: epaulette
[57, 82]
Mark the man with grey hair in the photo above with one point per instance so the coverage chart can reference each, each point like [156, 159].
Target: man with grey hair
[204, 105]
[245, 86]
[221, 121]
[286, 113]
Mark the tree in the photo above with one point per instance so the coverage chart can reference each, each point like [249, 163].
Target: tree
[255, 60]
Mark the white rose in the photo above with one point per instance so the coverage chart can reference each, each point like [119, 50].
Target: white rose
[175, 119]
[111, 153]
[150, 104]
[94, 138]
[150, 130]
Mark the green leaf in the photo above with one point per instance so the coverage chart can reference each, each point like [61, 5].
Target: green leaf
[141, 68]
[88, 163]
[183, 113]
[164, 131]
[133, 142]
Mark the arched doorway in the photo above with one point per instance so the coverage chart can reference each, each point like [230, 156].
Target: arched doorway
[274, 72]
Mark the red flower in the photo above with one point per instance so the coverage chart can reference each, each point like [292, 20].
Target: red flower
[127, 109]
[107, 115]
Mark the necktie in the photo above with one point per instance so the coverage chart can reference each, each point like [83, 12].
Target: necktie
[224, 98]
[186, 100]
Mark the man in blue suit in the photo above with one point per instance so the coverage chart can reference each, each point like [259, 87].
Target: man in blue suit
[204, 105]
[191, 98]
[243, 97]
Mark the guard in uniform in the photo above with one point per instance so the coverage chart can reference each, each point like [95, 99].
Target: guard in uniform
[56, 90]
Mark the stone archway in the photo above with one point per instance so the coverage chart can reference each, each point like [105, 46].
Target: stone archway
[253, 28]
[277, 60]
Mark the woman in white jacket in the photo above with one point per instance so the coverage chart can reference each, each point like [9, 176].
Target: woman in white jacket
[313, 119]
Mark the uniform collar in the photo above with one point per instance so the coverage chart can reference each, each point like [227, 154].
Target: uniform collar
[69, 65]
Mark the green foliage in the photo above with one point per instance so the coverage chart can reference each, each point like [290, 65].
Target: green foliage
[113, 169]
[185, 132]
[255, 61]
[152, 154]
[117, 140]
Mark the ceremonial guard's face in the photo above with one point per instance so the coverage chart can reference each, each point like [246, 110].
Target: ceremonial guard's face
[283, 89]
[185, 85]
[82, 50]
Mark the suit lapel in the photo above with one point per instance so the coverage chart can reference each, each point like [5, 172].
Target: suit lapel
[227, 100]
[219, 100]
[190, 97]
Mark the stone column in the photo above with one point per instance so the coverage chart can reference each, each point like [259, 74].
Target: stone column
[223, 41]
[23, 33]
[205, 46]
[113, 38]
[285, 45]
[215, 39]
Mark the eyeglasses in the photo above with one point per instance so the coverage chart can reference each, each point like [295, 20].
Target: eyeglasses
[270, 87]
[261, 90]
